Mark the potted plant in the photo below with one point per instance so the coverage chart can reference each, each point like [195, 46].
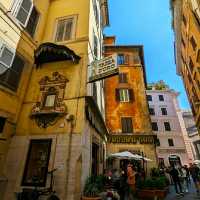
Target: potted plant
[93, 186]
[153, 187]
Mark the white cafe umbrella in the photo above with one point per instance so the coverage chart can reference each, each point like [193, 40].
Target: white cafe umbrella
[143, 158]
[126, 155]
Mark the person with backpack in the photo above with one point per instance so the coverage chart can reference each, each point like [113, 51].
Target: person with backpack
[175, 177]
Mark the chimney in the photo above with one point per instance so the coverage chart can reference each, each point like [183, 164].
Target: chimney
[109, 40]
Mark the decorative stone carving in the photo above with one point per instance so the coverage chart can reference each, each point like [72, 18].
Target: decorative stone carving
[50, 105]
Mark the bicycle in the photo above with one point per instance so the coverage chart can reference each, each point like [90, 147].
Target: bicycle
[34, 194]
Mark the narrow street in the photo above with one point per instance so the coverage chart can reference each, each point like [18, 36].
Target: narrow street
[187, 196]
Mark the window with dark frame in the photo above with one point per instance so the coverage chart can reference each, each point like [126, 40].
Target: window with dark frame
[94, 91]
[183, 42]
[189, 77]
[161, 97]
[124, 95]
[161, 163]
[167, 126]
[157, 142]
[23, 11]
[122, 59]
[149, 97]
[32, 22]
[183, 59]
[127, 126]
[123, 78]
[64, 29]
[171, 142]
[6, 57]
[198, 56]
[2, 123]
[193, 43]
[164, 111]
[95, 46]
[154, 126]
[95, 159]
[11, 77]
[27, 15]
[151, 111]
[191, 65]
[96, 13]
[36, 168]
[184, 20]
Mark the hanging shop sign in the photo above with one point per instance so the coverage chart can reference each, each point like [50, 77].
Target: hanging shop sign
[132, 139]
[104, 68]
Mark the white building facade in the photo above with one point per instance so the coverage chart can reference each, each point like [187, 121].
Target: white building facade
[191, 133]
[164, 111]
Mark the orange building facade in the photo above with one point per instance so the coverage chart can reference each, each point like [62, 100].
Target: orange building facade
[126, 109]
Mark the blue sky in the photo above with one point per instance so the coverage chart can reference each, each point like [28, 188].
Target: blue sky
[148, 22]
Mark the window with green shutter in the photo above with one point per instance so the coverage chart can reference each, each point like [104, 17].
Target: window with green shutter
[123, 78]
[124, 95]
[127, 126]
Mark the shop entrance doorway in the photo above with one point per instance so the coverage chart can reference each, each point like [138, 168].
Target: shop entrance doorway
[95, 159]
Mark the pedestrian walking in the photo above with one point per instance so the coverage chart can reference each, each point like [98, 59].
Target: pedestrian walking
[188, 176]
[175, 177]
[124, 187]
[183, 179]
[195, 172]
[131, 180]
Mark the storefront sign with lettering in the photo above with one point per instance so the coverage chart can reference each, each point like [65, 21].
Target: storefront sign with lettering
[132, 139]
[172, 151]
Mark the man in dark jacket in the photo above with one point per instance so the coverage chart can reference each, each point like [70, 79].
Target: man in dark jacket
[175, 177]
[195, 172]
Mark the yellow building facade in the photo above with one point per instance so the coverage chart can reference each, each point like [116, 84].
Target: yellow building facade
[49, 119]
[186, 19]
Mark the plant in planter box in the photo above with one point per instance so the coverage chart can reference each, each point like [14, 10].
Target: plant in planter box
[153, 187]
[93, 186]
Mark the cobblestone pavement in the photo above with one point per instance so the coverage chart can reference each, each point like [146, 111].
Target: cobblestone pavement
[187, 196]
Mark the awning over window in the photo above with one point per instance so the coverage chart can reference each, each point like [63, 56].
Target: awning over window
[50, 52]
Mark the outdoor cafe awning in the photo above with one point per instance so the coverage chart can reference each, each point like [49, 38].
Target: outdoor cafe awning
[128, 155]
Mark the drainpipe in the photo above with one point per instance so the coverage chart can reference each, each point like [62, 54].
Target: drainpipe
[70, 119]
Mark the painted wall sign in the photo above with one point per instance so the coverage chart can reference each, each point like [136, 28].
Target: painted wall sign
[172, 151]
[132, 139]
[104, 68]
